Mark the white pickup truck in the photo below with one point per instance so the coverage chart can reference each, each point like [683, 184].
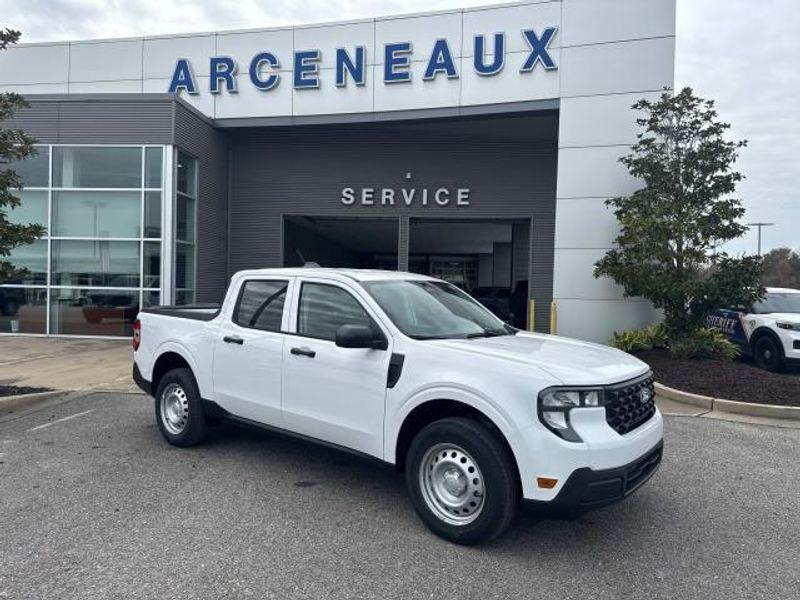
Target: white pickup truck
[413, 372]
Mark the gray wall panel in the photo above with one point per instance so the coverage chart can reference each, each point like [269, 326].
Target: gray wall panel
[138, 119]
[509, 165]
[194, 134]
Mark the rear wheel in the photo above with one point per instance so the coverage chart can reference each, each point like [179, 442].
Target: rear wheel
[179, 409]
[462, 480]
[767, 353]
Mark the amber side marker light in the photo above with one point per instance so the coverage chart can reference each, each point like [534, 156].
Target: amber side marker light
[547, 483]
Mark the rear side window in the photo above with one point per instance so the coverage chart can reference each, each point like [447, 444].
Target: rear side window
[260, 305]
[325, 308]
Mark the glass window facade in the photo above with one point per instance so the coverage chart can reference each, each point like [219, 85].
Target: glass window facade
[101, 258]
[185, 228]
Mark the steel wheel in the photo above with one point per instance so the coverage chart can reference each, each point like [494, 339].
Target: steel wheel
[452, 484]
[174, 408]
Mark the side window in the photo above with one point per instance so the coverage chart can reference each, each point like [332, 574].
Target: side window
[324, 308]
[260, 305]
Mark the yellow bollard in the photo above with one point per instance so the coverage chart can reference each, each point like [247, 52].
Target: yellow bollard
[553, 315]
[531, 304]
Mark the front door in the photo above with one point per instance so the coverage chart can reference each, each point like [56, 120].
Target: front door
[331, 393]
[249, 351]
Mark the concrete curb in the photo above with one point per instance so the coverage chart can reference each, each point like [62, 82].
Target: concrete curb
[13, 402]
[751, 409]
[685, 397]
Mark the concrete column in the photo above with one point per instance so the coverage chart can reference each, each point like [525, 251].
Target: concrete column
[402, 243]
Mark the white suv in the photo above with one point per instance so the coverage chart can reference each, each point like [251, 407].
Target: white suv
[411, 371]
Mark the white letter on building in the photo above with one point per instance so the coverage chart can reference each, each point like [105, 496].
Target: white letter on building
[438, 196]
[387, 196]
[463, 197]
[366, 196]
[348, 196]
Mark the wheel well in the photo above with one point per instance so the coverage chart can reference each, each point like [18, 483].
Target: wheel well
[433, 410]
[760, 333]
[164, 364]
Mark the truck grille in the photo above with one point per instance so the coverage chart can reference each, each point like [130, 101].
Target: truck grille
[630, 404]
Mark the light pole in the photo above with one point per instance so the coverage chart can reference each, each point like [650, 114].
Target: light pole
[760, 225]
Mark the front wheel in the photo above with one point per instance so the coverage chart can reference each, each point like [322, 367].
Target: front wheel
[462, 480]
[767, 354]
[179, 409]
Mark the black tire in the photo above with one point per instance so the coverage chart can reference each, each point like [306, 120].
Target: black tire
[485, 446]
[767, 353]
[180, 386]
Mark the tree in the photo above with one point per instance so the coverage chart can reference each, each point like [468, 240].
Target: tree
[781, 268]
[14, 146]
[668, 248]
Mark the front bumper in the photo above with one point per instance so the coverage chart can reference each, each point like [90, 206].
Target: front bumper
[587, 489]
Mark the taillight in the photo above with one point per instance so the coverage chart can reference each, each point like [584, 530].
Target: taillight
[137, 334]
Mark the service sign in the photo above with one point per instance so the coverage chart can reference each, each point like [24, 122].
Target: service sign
[263, 69]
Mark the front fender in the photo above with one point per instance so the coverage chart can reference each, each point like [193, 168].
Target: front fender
[471, 397]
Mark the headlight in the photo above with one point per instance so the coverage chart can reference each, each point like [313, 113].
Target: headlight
[790, 326]
[556, 403]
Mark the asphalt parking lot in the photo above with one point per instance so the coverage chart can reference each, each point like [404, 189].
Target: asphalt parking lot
[93, 504]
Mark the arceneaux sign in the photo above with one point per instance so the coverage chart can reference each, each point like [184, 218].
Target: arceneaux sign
[352, 65]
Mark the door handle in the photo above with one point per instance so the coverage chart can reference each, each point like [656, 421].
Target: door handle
[303, 352]
[232, 339]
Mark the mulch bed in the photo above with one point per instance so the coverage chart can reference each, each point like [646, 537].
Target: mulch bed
[16, 390]
[731, 380]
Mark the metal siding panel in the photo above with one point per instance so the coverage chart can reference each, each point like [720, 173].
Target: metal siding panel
[97, 121]
[301, 171]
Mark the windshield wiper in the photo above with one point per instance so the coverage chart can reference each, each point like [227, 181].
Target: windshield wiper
[488, 333]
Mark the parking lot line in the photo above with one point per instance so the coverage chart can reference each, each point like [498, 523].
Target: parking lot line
[61, 420]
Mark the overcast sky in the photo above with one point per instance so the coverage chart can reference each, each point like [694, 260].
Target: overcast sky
[743, 53]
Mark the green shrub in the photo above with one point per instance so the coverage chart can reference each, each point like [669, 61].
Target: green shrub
[704, 342]
[636, 340]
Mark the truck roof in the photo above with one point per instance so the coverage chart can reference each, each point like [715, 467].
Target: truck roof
[357, 274]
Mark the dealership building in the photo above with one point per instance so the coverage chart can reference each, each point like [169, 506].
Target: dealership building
[474, 145]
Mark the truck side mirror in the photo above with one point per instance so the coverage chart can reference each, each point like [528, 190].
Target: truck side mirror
[359, 336]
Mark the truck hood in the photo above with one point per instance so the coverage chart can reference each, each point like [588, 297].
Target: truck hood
[570, 361]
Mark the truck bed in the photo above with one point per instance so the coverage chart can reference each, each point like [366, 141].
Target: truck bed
[196, 312]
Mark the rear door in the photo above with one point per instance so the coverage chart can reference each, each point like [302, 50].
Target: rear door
[331, 393]
[249, 351]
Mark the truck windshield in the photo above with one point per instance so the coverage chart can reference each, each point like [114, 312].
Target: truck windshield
[427, 310]
[777, 302]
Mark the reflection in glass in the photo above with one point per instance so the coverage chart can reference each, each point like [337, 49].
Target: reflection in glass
[96, 214]
[184, 265]
[152, 214]
[31, 262]
[187, 175]
[95, 263]
[33, 171]
[183, 297]
[97, 167]
[31, 210]
[152, 265]
[23, 310]
[184, 223]
[153, 159]
[93, 312]
[151, 298]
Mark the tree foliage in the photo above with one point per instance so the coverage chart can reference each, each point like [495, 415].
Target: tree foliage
[15, 145]
[781, 268]
[671, 229]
